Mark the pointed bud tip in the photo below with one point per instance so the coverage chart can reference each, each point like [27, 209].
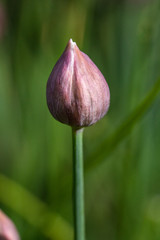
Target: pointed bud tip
[71, 44]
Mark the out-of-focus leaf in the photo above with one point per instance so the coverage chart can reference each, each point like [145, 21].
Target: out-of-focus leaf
[33, 210]
[109, 145]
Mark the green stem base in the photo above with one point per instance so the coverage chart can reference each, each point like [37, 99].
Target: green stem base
[78, 185]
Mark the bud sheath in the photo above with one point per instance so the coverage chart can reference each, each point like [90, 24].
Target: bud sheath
[77, 92]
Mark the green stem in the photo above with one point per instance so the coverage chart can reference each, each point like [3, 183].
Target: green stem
[78, 185]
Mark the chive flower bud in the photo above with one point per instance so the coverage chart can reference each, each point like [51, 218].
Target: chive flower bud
[77, 93]
[8, 230]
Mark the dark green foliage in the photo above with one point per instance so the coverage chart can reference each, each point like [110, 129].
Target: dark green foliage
[121, 151]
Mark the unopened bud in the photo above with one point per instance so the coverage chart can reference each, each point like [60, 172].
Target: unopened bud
[8, 230]
[77, 92]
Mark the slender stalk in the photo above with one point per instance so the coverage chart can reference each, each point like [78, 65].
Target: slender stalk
[78, 185]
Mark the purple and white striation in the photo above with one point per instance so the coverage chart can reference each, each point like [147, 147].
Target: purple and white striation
[77, 92]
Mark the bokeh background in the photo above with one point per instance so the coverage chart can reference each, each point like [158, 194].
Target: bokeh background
[122, 151]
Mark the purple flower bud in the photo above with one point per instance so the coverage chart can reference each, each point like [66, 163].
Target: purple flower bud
[7, 228]
[77, 92]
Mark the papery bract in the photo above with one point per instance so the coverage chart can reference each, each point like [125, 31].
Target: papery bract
[77, 92]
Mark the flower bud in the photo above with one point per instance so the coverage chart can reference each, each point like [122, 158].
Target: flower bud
[77, 92]
[7, 228]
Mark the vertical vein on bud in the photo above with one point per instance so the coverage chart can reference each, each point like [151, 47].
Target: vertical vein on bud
[71, 46]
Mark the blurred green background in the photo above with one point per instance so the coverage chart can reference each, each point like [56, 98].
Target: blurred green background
[122, 151]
